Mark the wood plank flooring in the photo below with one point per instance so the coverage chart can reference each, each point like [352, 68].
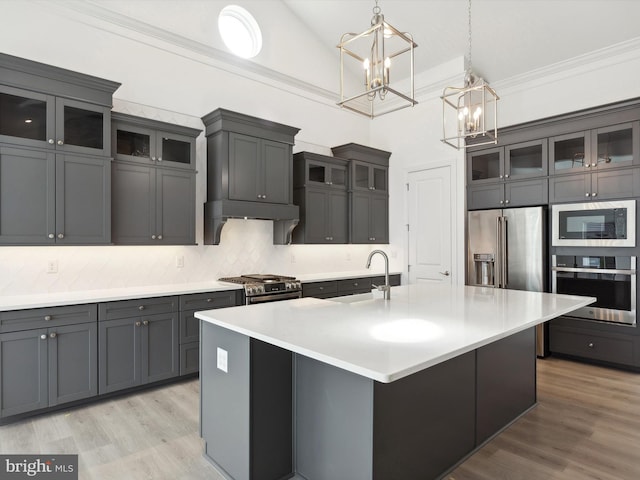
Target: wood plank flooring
[586, 426]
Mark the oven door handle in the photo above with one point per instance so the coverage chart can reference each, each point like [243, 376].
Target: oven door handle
[593, 270]
[273, 298]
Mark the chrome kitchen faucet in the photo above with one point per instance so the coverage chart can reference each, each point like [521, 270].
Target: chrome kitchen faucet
[386, 288]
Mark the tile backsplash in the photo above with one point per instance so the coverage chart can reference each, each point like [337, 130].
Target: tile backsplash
[246, 246]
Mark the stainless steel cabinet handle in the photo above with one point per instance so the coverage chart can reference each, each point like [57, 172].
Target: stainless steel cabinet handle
[591, 345]
[47, 318]
[141, 307]
[501, 177]
[587, 165]
[209, 300]
[159, 237]
[51, 141]
[153, 237]
[445, 273]
[60, 142]
[594, 164]
[53, 335]
[506, 176]
[51, 235]
[153, 159]
[506, 201]
[501, 202]
[159, 159]
[355, 284]
[593, 194]
[320, 288]
[43, 337]
[145, 322]
[138, 324]
[61, 236]
[587, 194]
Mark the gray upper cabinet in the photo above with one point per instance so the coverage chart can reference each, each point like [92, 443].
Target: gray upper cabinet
[55, 129]
[602, 185]
[249, 173]
[153, 186]
[368, 192]
[508, 194]
[595, 149]
[512, 162]
[48, 198]
[151, 142]
[320, 190]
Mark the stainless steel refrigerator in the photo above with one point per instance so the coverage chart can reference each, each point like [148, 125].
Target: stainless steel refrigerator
[506, 249]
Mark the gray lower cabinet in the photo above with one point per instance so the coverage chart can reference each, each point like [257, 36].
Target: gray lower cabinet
[592, 345]
[190, 325]
[139, 342]
[369, 218]
[54, 362]
[508, 194]
[153, 205]
[603, 185]
[49, 198]
[347, 286]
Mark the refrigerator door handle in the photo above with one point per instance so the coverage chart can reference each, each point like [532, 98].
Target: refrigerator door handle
[498, 261]
[505, 253]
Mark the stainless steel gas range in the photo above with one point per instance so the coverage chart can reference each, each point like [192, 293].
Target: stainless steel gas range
[260, 288]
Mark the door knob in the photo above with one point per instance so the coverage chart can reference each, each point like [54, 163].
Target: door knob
[445, 273]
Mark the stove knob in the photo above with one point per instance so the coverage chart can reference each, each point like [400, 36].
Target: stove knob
[260, 289]
[249, 289]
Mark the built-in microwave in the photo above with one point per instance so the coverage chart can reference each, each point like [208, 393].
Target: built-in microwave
[594, 224]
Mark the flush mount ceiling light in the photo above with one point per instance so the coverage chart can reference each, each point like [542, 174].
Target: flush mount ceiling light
[470, 113]
[239, 31]
[372, 55]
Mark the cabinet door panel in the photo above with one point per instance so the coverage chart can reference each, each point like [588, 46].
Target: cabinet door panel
[82, 127]
[83, 200]
[189, 358]
[133, 203]
[26, 118]
[616, 184]
[244, 155]
[360, 215]
[570, 188]
[569, 153]
[175, 213]
[276, 172]
[73, 363]
[485, 165]
[338, 214]
[23, 372]
[485, 196]
[315, 217]
[160, 348]
[134, 144]
[189, 327]
[379, 219]
[531, 192]
[27, 196]
[119, 360]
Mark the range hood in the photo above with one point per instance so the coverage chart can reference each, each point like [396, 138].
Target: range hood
[249, 173]
[217, 212]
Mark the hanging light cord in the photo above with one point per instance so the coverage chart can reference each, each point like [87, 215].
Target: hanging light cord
[469, 17]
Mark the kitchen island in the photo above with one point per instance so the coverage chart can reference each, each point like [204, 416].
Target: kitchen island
[363, 388]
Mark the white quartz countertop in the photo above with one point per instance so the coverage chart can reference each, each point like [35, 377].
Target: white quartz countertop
[51, 299]
[422, 325]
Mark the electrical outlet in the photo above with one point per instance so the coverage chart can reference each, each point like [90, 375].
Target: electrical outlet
[222, 362]
[180, 261]
[52, 266]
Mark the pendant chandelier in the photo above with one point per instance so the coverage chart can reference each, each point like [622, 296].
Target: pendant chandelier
[371, 56]
[470, 113]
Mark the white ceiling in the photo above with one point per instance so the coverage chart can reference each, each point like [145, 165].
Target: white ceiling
[509, 37]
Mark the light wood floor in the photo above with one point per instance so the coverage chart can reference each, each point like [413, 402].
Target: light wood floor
[586, 426]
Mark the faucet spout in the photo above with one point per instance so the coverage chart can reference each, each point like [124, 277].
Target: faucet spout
[386, 288]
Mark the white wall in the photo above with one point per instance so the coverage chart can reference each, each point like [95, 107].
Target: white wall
[165, 81]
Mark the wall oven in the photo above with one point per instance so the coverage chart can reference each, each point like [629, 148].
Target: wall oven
[611, 279]
[594, 224]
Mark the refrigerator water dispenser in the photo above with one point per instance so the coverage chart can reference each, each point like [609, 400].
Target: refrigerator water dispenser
[484, 269]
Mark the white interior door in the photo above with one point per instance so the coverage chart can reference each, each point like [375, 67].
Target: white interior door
[430, 233]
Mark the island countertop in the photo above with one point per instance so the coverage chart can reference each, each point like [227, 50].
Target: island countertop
[422, 325]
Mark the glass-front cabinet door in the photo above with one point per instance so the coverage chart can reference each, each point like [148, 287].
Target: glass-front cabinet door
[26, 118]
[570, 153]
[615, 146]
[369, 177]
[322, 173]
[82, 127]
[175, 150]
[526, 160]
[486, 165]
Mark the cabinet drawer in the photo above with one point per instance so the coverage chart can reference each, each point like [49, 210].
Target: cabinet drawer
[354, 285]
[210, 300]
[593, 346]
[135, 308]
[17, 320]
[320, 289]
[394, 280]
